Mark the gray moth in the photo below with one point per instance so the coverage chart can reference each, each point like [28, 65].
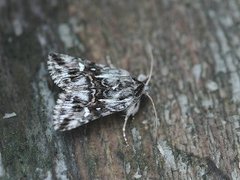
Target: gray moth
[92, 90]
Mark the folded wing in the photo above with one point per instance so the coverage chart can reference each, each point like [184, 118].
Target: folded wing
[75, 109]
[90, 90]
[71, 73]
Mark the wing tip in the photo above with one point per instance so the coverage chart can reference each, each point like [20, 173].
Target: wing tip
[50, 62]
[52, 55]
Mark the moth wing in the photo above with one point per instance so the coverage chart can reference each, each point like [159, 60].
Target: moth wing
[71, 73]
[74, 109]
[68, 72]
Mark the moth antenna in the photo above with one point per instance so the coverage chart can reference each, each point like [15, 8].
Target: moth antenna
[149, 49]
[124, 130]
[109, 62]
[155, 112]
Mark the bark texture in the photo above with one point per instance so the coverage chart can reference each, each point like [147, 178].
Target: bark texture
[195, 86]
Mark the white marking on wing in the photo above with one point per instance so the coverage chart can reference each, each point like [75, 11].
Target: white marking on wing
[87, 112]
[84, 95]
[81, 66]
[81, 81]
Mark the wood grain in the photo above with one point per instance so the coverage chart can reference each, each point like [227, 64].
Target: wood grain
[195, 86]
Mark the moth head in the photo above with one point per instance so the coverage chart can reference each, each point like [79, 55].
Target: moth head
[143, 78]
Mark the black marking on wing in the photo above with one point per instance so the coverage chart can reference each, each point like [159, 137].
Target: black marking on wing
[71, 73]
[69, 114]
[57, 58]
[74, 108]
[68, 72]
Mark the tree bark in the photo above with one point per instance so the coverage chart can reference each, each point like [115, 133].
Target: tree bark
[195, 87]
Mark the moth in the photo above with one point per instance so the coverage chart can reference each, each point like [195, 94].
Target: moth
[92, 90]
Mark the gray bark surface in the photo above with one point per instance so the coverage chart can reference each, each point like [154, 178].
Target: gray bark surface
[195, 87]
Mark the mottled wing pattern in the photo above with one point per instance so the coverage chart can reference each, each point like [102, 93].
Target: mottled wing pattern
[68, 72]
[71, 110]
[91, 90]
[71, 73]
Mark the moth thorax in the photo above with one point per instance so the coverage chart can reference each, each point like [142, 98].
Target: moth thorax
[146, 89]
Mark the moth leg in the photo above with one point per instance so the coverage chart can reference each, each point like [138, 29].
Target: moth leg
[124, 129]
[131, 111]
